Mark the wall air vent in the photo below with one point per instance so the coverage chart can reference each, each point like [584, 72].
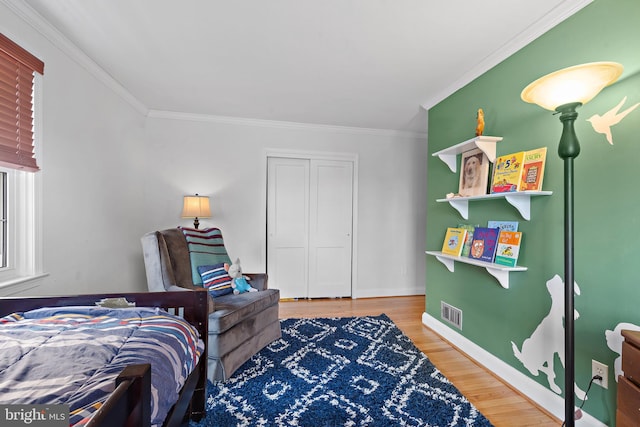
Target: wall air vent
[451, 314]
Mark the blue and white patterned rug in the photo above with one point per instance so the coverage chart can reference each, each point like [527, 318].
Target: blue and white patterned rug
[353, 371]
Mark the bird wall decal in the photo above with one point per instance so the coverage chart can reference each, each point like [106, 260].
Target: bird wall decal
[602, 124]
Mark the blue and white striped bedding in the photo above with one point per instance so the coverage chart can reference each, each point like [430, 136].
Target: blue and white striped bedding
[72, 355]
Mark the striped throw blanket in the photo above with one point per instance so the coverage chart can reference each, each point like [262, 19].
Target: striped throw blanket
[206, 247]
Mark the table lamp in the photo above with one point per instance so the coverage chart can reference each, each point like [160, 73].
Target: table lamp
[196, 207]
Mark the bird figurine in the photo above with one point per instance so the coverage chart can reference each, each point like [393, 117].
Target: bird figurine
[602, 124]
[479, 122]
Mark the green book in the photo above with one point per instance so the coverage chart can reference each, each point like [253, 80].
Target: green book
[467, 244]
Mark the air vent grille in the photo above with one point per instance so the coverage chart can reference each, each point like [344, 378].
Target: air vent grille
[451, 314]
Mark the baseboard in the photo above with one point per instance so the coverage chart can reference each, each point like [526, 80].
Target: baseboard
[542, 396]
[387, 292]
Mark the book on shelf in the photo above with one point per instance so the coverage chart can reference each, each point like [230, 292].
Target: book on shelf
[483, 246]
[533, 169]
[454, 241]
[474, 173]
[504, 225]
[467, 241]
[507, 173]
[508, 248]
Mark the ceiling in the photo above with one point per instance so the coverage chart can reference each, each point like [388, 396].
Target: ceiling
[372, 64]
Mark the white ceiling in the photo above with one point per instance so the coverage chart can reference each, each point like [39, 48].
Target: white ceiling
[356, 63]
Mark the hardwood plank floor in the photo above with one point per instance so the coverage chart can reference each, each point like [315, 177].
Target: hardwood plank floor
[501, 404]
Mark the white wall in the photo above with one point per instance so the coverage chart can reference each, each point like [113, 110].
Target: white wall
[111, 174]
[92, 180]
[227, 161]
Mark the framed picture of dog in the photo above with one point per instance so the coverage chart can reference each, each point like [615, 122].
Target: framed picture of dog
[474, 173]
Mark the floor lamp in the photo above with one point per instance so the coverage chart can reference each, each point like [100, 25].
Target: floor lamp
[563, 91]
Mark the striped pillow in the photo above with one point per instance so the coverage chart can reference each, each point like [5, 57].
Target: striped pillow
[206, 247]
[215, 279]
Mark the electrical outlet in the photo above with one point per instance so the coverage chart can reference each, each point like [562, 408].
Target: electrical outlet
[601, 369]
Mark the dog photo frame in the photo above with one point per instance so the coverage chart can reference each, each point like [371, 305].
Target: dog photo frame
[474, 173]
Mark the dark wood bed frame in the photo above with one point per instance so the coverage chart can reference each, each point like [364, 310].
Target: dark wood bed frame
[130, 403]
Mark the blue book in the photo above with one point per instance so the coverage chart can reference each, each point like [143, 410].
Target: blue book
[504, 225]
[485, 241]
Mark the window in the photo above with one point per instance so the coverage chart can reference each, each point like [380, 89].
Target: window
[3, 220]
[20, 221]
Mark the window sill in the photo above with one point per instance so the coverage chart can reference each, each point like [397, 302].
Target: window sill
[20, 284]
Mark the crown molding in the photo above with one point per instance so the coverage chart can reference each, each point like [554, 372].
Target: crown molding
[276, 124]
[541, 26]
[53, 35]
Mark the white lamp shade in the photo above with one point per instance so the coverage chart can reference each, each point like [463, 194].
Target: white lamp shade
[196, 207]
[580, 83]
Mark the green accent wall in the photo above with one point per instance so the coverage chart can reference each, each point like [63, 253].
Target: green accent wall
[607, 199]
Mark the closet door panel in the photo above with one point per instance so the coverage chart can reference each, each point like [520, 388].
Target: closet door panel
[288, 226]
[330, 222]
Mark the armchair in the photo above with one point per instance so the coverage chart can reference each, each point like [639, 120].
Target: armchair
[239, 325]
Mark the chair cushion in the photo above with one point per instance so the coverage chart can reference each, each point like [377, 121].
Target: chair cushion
[206, 247]
[231, 309]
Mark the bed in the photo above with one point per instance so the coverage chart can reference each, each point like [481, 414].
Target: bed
[130, 399]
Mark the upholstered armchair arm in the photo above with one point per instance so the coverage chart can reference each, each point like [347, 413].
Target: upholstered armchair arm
[257, 280]
[174, 288]
[211, 305]
[185, 287]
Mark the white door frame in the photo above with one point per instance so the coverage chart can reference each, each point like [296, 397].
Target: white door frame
[314, 155]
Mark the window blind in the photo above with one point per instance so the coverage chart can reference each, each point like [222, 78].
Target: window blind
[17, 67]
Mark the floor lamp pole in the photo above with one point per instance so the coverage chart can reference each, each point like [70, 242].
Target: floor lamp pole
[568, 149]
[565, 87]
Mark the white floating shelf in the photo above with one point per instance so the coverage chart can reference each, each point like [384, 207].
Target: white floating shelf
[521, 200]
[485, 143]
[500, 272]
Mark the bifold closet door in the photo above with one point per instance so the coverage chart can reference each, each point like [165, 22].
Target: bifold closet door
[309, 227]
[330, 225]
[288, 226]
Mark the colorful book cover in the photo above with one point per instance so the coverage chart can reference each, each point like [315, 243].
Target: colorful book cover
[483, 247]
[508, 248]
[533, 169]
[504, 225]
[454, 241]
[507, 173]
[467, 241]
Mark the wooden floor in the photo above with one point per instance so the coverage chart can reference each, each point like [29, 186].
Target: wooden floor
[502, 405]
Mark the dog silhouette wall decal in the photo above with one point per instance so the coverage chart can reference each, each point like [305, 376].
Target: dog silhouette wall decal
[614, 342]
[538, 351]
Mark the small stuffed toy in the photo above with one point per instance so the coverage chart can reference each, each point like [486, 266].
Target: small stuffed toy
[239, 282]
[480, 122]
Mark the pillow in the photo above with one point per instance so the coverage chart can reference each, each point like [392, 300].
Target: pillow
[215, 279]
[206, 247]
